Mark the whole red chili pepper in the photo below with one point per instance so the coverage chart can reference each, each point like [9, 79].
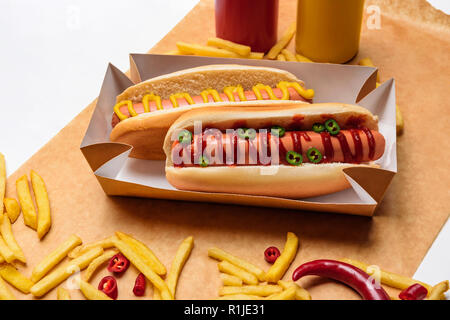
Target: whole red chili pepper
[271, 254]
[414, 292]
[109, 286]
[118, 263]
[139, 285]
[343, 272]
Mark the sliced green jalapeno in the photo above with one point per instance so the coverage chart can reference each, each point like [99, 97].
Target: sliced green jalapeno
[278, 131]
[245, 133]
[332, 127]
[203, 161]
[294, 158]
[185, 137]
[318, 127]
[314, 155]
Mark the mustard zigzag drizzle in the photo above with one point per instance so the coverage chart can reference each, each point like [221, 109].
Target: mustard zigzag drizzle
[229, 92]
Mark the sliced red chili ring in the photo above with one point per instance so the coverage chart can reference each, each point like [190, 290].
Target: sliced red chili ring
[118, 263]
[294, 158]
[185, 136]
[318, 127]
[245, 133]
[271, 254]
[108, 285]
[332, 127]
[278, 131]
[314, 155]
[203, 161]
[139, 285]
[414, 292]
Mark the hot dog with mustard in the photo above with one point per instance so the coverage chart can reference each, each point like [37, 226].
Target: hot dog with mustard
[283, 150]
[144, 112]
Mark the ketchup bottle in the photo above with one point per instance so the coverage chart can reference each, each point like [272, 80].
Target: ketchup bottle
[249, 22]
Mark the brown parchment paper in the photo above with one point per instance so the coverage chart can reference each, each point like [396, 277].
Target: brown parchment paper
[407, 47]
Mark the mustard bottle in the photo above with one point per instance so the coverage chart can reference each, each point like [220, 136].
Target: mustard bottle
[329, 30]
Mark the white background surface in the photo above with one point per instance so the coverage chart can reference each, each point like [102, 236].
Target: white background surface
[53, 59]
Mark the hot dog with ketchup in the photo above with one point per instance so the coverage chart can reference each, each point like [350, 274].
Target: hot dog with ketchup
[281, 150]
[144, 112]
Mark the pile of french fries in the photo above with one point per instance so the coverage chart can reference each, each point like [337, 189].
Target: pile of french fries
[243, 280]
[221, 48]
[47, 275]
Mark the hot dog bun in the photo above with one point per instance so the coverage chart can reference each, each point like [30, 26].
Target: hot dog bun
[146, 132]
[306, 180]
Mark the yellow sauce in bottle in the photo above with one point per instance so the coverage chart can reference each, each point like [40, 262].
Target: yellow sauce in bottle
[328, 30]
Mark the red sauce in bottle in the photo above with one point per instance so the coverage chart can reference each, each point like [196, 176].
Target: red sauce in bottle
[358, 145]
[328, 146]
[249, 22]
[371, 141]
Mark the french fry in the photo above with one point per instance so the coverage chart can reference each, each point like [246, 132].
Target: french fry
[229, 280]
[367, 62]
[26, 202]
[2, 180]
[91, 293]
[156, 294]
[12, 209]
[221, 255]
[399, 123]
[5, 293]
[301, 58]
[7, 234]
[11, 275]
[140, 264]
[300, 293]
[97, 262]
[199, 50]
[281, 57]
[263, 290]
[240, 49]
[399, 120]
[239, 297]
[283, 42]
[283, 262]
[55, 257]
[63, 272]
[288, 55]
[63, 294]
[144, 252]
[173, 52]
[256, 55]
[82, 249]
[438, 290]
[44, 219]
[287, 294]
[388, 278]
[178, 262]
[229, 268]
[6, 253]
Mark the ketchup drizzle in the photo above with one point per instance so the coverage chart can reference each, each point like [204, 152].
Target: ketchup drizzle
[348, 157]
[358, 145]
[297, 142]
[328, 146]
[371, 141]
[305, 136]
